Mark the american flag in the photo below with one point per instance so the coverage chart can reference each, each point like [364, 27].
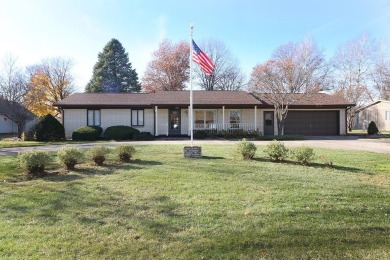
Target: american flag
[199, 57]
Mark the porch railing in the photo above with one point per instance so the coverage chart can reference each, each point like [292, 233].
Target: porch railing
[227, 127]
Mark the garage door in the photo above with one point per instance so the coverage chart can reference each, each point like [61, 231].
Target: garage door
[312, 123]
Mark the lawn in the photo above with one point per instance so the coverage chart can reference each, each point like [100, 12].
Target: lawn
[218, 207]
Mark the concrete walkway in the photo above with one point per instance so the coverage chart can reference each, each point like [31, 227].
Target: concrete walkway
[334, 142]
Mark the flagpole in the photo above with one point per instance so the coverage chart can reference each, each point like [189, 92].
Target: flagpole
[191, 97]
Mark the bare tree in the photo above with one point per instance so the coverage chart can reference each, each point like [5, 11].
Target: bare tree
[380, 74]
[353, 63]
[295, 70]
[169, 69]
[49, 82]
[13, 88]
[227, 74]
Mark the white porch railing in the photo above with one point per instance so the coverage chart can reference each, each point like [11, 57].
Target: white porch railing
[226, 127]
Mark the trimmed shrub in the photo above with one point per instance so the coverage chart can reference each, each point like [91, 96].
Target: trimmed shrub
[87, 133]
[69, 157]
[372, 128]
[49, 129]
[98, 154]
[200, 134]
[120, 132]
[276, 151]
[34, 162]
[226, 134]
[143, 136]
[246, 149]
[303, 154]
[125, 152]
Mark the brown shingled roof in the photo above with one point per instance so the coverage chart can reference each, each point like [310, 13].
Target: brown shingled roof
[203, 98]
[311, 100]
[162, 98]
[106, 100]
[182, 98]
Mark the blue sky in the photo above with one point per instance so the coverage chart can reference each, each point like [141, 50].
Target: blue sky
[79, 29]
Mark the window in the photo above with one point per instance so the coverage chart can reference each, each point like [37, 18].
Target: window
[387, 115]
[204, 119]
[93, 117]
[235, 117]
[137, 117]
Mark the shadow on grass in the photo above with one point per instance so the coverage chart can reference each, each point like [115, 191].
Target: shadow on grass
[212, 158]
[61, 177]
[314, 165]
[145, 162]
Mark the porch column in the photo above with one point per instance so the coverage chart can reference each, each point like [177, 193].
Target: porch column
[189, 120]
[156, 122]
[223, 117]
[255, 118]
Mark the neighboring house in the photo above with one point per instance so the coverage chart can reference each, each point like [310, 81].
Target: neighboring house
[7, 124]
[378, 111]
[165, 113]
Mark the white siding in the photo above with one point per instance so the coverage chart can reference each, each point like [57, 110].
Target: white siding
[376, 113]
[162, 121]
[185, 130]
[7, 125]
[343, 122]
[73, 119]
[111, 117]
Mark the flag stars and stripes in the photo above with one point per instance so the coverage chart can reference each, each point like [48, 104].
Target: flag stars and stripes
[199, 57]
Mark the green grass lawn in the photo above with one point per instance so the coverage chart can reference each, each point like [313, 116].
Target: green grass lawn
[218, 207]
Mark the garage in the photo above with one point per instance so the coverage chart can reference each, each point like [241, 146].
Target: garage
[312, 123]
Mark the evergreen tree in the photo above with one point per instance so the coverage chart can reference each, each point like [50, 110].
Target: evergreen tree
[113, 72]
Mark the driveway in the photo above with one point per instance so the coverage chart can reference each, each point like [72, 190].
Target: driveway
[333, 142]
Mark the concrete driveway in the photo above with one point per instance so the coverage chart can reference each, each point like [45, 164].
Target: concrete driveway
[333, 142]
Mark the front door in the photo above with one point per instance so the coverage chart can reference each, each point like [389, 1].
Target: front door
[174, 122]
[268, 123]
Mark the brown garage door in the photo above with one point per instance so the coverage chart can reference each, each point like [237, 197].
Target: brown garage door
[312, 123]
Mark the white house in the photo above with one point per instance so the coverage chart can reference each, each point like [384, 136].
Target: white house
[378, 111]
[7, 123]
[165, 113]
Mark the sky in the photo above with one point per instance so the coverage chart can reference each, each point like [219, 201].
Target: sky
[33, 30]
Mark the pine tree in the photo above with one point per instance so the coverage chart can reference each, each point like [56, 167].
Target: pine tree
[113, 72]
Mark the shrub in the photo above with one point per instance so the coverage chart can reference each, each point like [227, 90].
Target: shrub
[120, 132]
[246, 149]
[28, 136]
[200, 134]
[125, 152]
[49, 129]
[327, 161]
[276, 151]
[34, 162]
[87, 133]
[98, 154]
[372, 128]
[69, 157]
[143, 136]
[303, 154]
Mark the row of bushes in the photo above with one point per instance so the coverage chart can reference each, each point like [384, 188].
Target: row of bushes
[48, 128]
[34, 162]
[277, 152]
[226, 134]
[119, 132]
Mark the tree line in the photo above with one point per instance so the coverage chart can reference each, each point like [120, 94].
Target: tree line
[359, 71]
